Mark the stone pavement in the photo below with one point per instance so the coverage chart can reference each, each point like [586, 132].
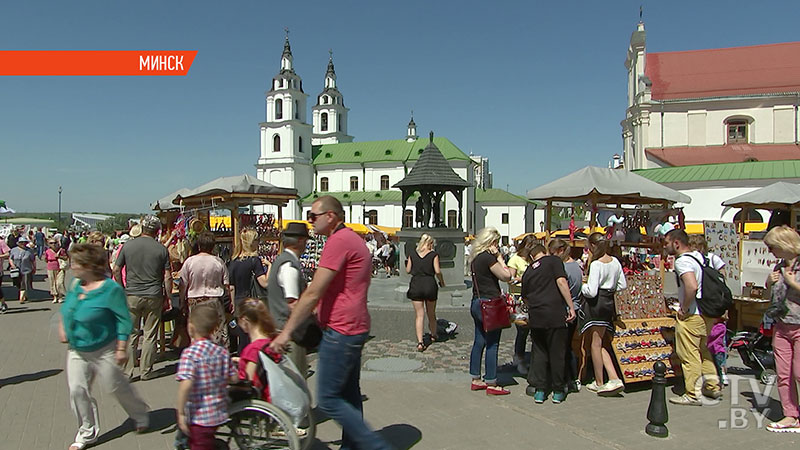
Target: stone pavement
[428, 407]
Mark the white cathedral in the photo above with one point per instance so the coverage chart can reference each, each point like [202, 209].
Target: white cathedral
[321, 159]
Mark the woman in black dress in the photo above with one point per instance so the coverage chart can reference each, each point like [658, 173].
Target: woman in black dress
[423, 265]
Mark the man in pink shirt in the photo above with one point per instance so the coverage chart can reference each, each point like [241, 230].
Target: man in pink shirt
[340, 287]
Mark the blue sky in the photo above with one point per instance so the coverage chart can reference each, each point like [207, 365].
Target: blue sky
[538, 87]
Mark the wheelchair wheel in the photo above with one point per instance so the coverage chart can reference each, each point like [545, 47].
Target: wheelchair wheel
[257, 425]
[309, 432]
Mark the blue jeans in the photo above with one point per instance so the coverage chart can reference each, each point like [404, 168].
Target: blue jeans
[490, 341]
[339, 390]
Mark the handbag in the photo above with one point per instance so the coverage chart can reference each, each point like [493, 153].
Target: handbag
[13, 273]
[495, 314]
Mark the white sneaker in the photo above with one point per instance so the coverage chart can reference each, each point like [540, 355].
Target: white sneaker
[613, 387]
[725, 380]
[592, 386]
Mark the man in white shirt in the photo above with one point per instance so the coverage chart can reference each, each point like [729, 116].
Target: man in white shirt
[285, 284]
[691, 328]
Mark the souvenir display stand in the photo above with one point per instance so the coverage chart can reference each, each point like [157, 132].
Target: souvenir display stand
[755, 260]
[645, 331]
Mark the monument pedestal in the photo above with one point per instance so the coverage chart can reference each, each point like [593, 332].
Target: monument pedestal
[449, 244]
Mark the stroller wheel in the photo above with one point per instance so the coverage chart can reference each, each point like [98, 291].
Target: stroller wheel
[768, 376]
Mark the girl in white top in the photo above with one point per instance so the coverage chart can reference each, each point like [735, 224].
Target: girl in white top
[598, 311]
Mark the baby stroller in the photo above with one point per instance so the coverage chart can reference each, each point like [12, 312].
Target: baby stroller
[755, 349]
[284, 423]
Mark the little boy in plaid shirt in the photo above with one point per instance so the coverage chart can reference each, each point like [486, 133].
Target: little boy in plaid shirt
[203, 374]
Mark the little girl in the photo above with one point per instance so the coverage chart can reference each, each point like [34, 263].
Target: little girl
[255, 320]
[718, 348]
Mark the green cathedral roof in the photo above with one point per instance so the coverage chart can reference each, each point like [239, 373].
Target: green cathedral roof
[397, 150]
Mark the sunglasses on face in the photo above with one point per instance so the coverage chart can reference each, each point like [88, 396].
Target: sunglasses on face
[312, 216]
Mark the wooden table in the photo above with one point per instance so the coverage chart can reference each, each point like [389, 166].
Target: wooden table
[748, 311]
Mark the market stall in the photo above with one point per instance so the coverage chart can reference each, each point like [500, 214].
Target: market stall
[754, 258]
[233, 193]
[628, 204]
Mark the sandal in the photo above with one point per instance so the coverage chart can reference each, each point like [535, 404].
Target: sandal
[79, 445]
[777, 427]
[421, 347]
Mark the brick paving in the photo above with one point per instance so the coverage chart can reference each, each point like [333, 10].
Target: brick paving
[430, 408]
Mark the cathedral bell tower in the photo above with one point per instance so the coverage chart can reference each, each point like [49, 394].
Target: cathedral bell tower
[285, 158]
[330, 114]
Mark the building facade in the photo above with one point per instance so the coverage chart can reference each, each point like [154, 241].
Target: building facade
[321, 158]
[719, 114]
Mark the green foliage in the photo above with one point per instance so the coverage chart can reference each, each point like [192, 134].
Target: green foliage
[117, 222]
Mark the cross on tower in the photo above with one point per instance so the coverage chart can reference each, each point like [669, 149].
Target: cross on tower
[287, 32]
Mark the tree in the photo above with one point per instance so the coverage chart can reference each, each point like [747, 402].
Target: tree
[117, 222]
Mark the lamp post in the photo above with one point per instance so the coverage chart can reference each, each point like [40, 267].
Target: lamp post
[59, 207]
[364, 211]
[541, 225]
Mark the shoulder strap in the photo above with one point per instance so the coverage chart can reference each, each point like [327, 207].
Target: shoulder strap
[702, 264]
[472, 274]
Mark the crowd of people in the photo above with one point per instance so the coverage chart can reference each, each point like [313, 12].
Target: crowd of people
[122, 286]
[564, 298]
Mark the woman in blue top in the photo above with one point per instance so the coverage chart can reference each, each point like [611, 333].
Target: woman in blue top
[96, 323]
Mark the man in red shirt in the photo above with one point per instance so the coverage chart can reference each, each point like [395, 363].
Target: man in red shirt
[340, 287]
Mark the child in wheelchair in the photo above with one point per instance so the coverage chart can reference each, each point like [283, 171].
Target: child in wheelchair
[255, 320]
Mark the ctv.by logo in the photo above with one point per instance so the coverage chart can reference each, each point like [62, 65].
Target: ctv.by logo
[741, 414]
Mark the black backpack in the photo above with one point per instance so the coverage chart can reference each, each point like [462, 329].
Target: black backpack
[716, 298]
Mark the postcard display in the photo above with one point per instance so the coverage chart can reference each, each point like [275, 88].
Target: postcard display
[723, 241]
[757, 262]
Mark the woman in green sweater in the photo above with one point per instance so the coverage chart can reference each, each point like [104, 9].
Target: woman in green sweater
[96, 324]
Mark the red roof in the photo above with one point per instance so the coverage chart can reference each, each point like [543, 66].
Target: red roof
[761, 69]
[713, 154]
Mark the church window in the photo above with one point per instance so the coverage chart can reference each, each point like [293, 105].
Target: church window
[296, 109]
[384, 182]
[323, 119]
[372, 216]
[504, 218]
[300, 144]
[339, 122]
[323, 184]
[353, 184]
[276, 143]
[278, 109]
[452, 219]
[408, 218]
[737, 131]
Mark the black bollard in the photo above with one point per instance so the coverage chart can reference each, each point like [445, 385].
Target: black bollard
[657, 411]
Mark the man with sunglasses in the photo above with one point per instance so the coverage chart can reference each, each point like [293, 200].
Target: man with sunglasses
[339, 289]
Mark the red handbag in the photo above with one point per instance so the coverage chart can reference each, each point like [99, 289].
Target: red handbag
[495, 314]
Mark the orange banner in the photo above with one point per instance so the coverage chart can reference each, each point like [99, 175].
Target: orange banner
[95, 62]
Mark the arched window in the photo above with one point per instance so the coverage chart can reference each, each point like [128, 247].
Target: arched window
[276, 143]
[339, 122]
[278, 109]
[384, 182]
[353, 184]
[408, 218]
[452, 219]
[753, 216]
[372, 216]
[323, 184]
[323, 120]
[296, 109]
[300, 144]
